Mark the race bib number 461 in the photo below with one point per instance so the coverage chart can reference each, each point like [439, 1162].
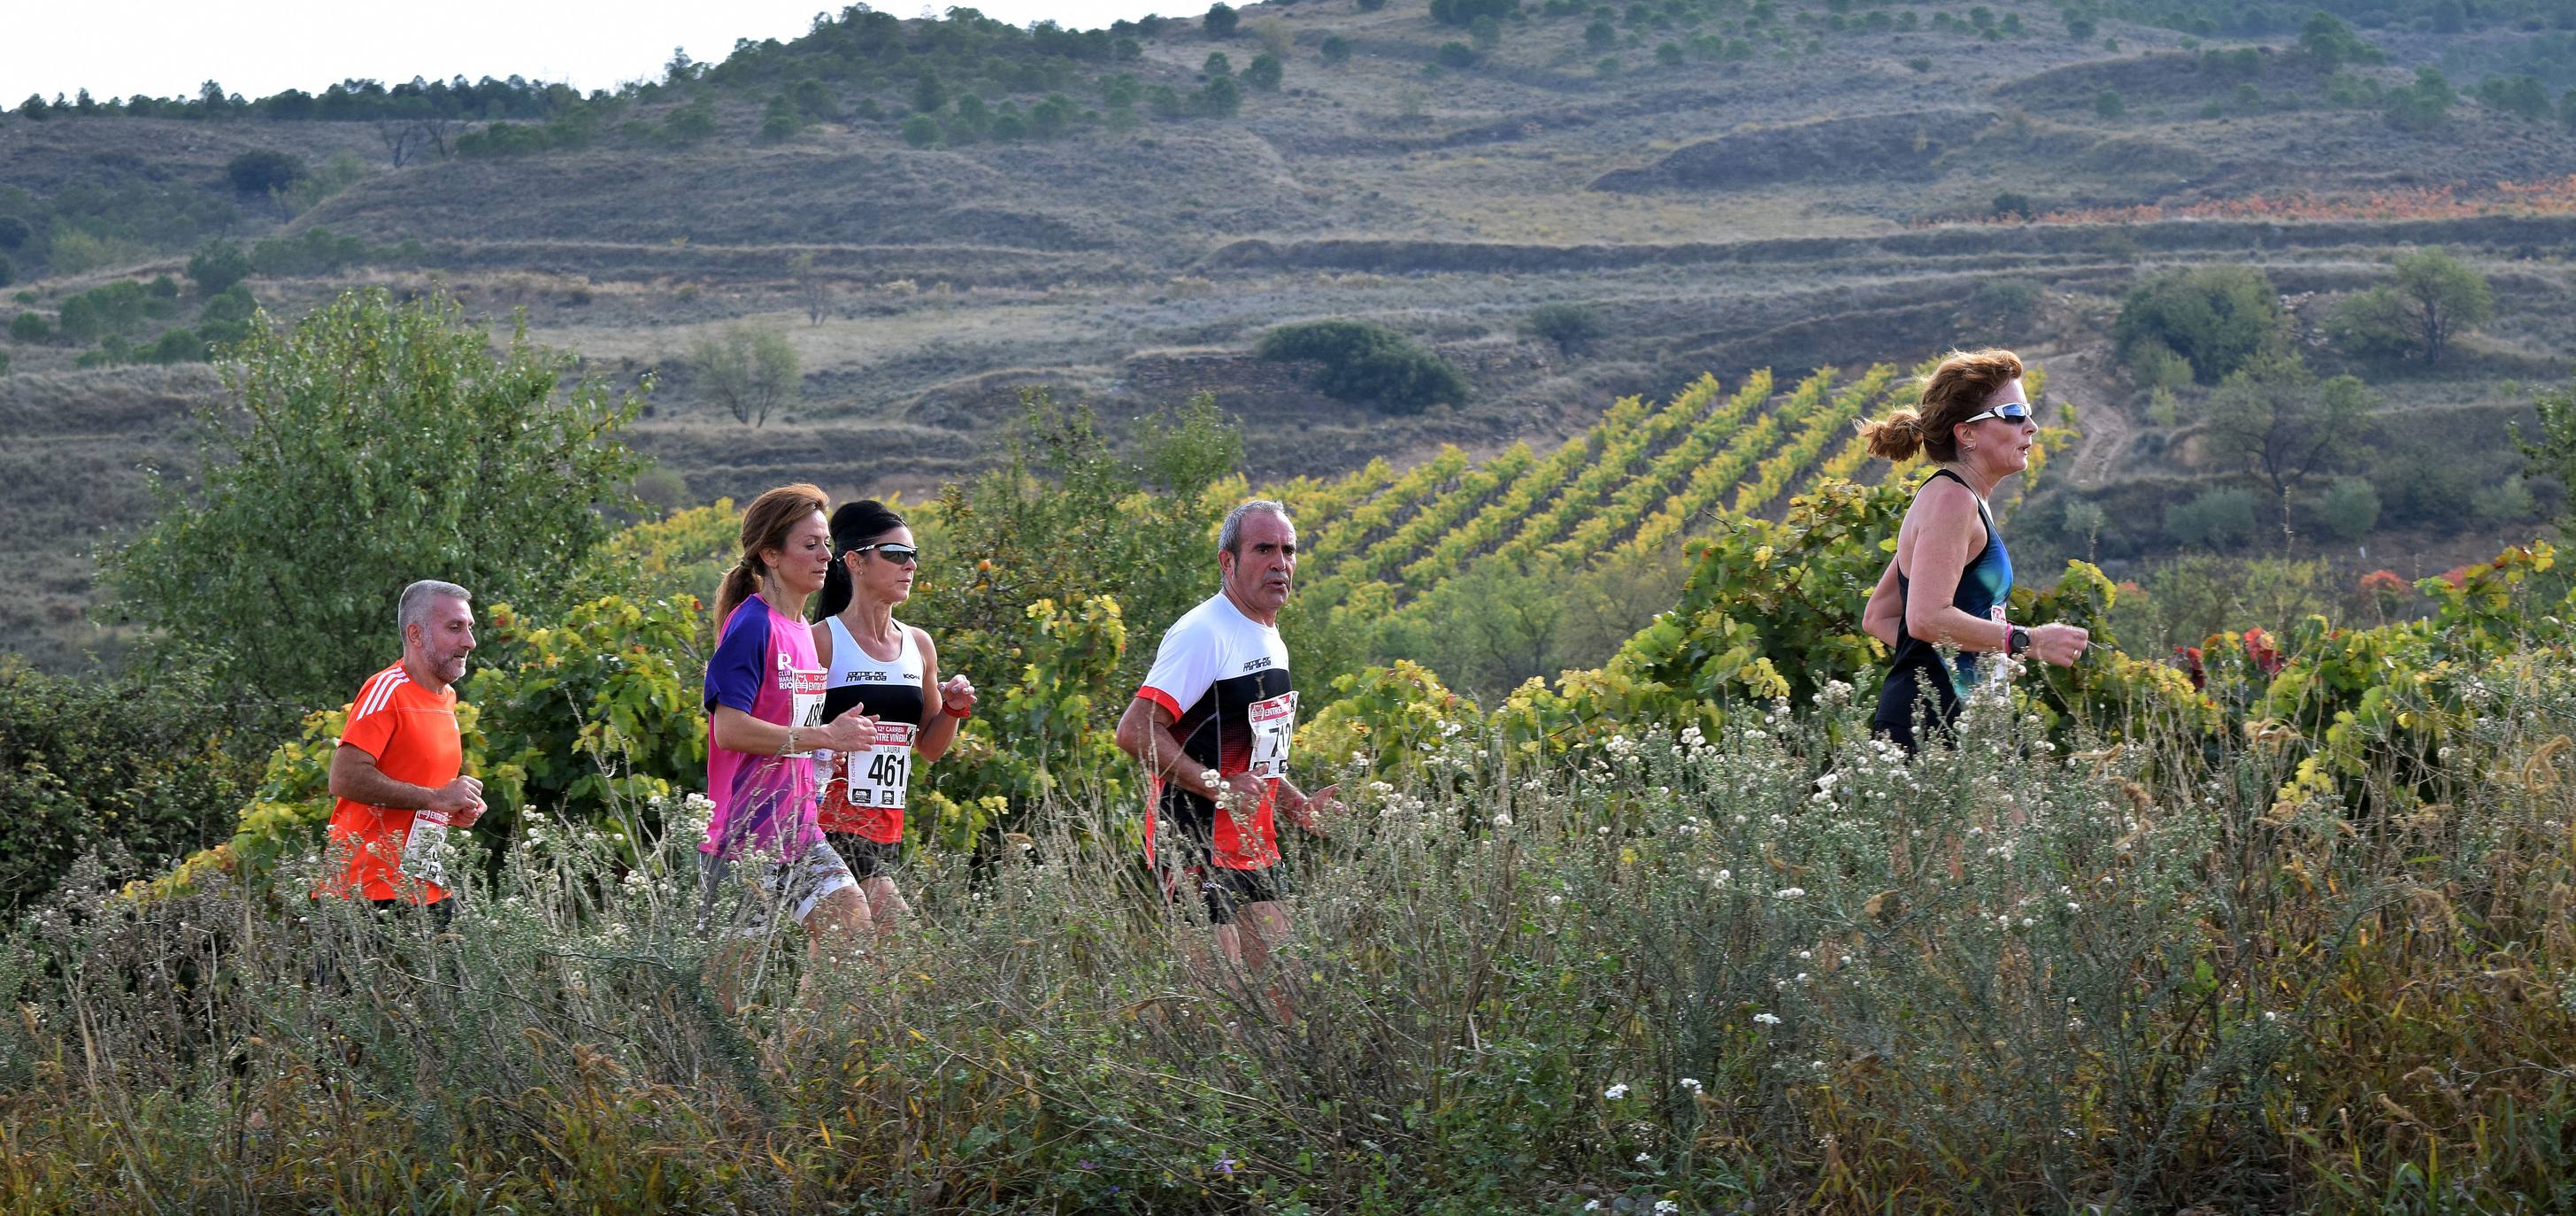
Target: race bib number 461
[878, 775]
[1273, 722]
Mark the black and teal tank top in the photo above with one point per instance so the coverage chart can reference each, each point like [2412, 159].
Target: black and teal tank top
[1984, 587]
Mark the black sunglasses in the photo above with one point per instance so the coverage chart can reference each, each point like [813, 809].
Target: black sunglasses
[892, 553]
[2010, 411]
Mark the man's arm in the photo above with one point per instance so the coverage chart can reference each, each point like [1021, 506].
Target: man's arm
[1145, 732]
[354, 776]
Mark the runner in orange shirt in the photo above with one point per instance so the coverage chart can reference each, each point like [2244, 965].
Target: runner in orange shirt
[395, 772]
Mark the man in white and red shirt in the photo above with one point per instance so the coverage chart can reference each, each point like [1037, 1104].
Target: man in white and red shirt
[396, 771]
[1212, 726]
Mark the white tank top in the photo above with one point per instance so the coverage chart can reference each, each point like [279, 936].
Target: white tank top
[887, 688]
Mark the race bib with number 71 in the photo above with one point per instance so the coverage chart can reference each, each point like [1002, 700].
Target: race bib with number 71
[1273, 722]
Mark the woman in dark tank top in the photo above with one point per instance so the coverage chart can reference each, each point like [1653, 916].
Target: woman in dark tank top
[1948, 583]
[881, 669]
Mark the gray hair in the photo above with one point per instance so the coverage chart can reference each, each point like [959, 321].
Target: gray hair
[415, 603]
[1229, 538]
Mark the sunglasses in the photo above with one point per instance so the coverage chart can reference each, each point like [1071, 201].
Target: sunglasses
[2010, 411]
[894, 553]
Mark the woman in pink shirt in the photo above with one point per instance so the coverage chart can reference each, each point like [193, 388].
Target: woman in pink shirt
[764, 701]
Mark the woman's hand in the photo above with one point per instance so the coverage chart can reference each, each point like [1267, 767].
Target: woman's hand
[957, 697]
[847, 733]
[2059, 644]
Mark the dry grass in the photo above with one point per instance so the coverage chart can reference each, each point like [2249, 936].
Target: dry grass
[1781, 971]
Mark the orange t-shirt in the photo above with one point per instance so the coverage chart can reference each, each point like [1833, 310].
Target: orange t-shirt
[411, 732]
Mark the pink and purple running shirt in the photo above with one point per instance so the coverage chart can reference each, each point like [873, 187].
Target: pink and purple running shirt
[764, 665]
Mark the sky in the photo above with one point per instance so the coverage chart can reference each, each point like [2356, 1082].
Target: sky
[170, 47]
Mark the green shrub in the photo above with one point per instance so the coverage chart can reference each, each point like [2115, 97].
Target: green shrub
[2109, 104]
[2004, 301]
[2215, 317]
[1336, 49]
[14, 232]
[30, 328]
[920, 130]
[226, 318]
[1571, 326]
[1367, 362]
[2219, 519]
[1221, 98]
[1465, 12]
[1265, 72]
[1221, 20]
[2350, 508]
[2154, 366]
[1455, 55]
[2422, 105]
[2505, 502]
[317, 251]
[264, 171]
[690, 124]
[137, 767]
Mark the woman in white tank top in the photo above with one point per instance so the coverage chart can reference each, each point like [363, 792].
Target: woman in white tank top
[880, 668]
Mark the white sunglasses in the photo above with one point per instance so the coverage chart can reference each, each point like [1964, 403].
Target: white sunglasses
[2010, 411]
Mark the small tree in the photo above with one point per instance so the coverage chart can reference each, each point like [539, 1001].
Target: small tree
[1221, 20]
[218, 265]
[921, 130]
[1336, 50]
[371, 445]
[813, 288]
[2422, 105]
[264, 172]
[2350, 508]
[1572, 327]
[2553, 454]
[2218, 519]
[928, 94]
[2109, 104]
[2286, 426]
[2434, 299]
[748, 371]
[1265, 72]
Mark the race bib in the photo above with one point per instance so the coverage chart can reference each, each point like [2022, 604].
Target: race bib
[804, 688]
[1273, 722]
[423, 848]
[878, 775]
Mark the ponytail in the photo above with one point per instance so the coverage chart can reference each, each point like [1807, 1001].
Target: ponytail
[739, 583]
[836, 587]
[1896, 438]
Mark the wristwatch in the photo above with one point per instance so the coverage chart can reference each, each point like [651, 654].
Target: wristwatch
[2016, 640]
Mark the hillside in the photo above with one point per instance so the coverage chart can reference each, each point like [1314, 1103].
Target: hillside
[1787, 187]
